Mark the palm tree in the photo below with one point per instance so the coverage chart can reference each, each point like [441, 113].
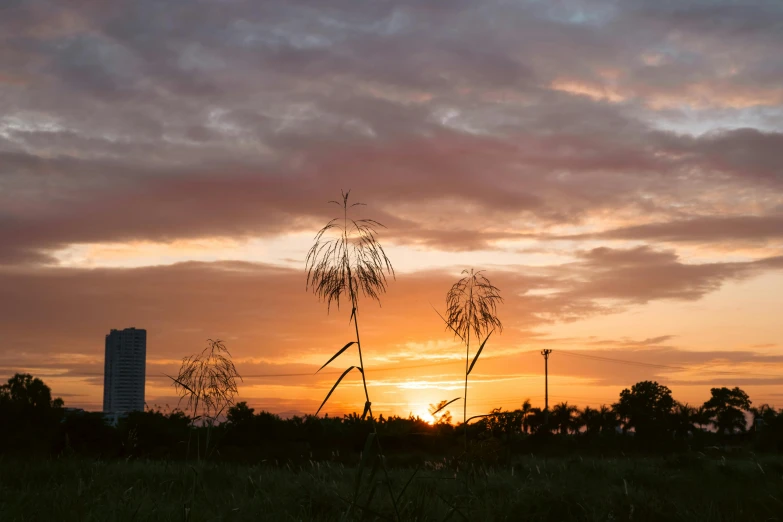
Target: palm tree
[701, 417]
[562, 416]
[590, 419]
[352, 418]
[536, 419]
[579, 421]
[525, 411]
[682, 420]
[764, 415]
[609, 419]
[471, 311]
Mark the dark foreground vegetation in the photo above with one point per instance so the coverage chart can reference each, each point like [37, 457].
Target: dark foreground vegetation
[684, 487]
[645, 419]
[646, 457]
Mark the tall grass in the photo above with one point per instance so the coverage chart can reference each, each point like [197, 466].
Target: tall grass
[471, 313]
[207, 381]
[680, 488]
[347, 261]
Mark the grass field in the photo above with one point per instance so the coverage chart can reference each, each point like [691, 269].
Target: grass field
[682, 487]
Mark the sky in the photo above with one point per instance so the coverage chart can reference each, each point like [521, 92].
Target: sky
[616, 168]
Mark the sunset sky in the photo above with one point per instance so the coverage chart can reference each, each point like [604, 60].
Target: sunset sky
[615, 167]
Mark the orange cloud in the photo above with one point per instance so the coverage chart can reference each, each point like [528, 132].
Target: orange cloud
[592, 91]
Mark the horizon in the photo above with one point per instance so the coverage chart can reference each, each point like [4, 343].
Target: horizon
[614, 168]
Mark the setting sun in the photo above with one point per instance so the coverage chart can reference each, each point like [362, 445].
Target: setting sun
[424, 415]
[280, 232]
[179, 192]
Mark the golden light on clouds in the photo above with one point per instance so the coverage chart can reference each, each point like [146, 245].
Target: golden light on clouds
[617, 173]
[593, 91]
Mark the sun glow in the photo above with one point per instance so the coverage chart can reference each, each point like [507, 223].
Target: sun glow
[424, 415]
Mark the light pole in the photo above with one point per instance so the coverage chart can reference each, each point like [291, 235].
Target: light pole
[545, 352]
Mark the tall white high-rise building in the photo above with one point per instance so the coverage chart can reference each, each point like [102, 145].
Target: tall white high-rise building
[124, 370]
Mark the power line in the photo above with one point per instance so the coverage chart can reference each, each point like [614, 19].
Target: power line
[594, 400]
[564, 352]
[314, 374]
[507, 400]
[338, 372]
[665, 366]
[371, 371]
[447, 363]
[621, 361]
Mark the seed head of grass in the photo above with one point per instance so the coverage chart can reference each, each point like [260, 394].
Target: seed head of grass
[208, 380]
[346, 259]
[471, 306]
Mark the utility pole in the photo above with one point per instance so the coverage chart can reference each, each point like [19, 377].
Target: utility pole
[545, 352]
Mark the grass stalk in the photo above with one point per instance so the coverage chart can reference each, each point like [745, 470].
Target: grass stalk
[471, 312]
[351, 262]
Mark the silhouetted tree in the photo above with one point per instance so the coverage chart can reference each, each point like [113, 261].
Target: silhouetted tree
[562, 417]
[682, 420]
[506, 423]
[727, 409]
[25, 391]
[240, 413]
[646, 408]
[352, 418]
[155, 434]
[536, 420]
[86, 433]
[590, 419]
[768, 427]
[764, 413]
[525, 413]
[29, 418]
[701, 417]
[29, 426]
[609, 419]
[440, 415]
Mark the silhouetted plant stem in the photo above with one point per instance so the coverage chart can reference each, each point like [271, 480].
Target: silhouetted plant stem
[368, 403]
[361, 363]
[347, 263]
[368, 406]
[465, 396]
[471, 311]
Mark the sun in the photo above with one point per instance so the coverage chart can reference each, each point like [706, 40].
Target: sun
[424, 415]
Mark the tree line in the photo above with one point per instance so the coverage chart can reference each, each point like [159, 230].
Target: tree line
[647, 410]
[645, 417]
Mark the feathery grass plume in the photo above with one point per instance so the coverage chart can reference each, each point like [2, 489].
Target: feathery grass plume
[347, 261]
[471, 312]
[347, 258]
[208, 381]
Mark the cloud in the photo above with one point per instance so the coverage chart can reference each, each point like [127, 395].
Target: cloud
[640, 275]
[592, 131]
[142, 116]
[272, 325]
[741, 229]
[579, 182]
